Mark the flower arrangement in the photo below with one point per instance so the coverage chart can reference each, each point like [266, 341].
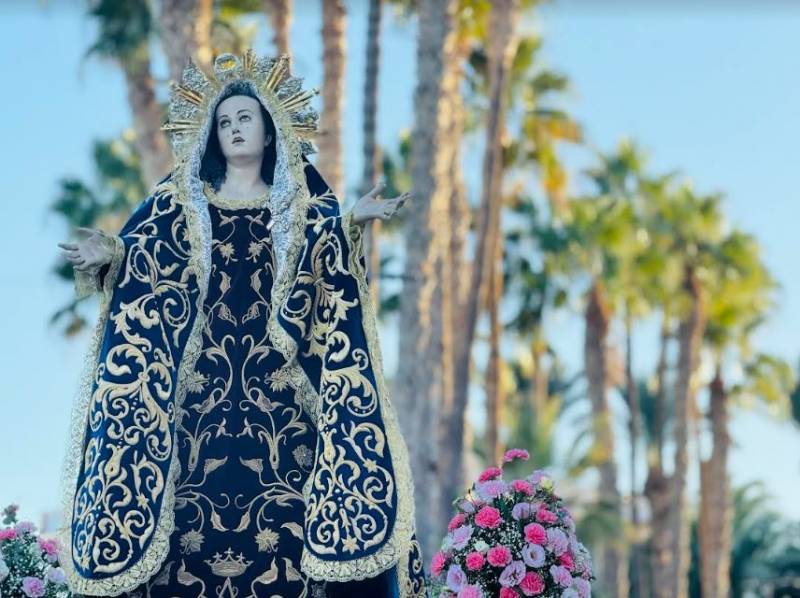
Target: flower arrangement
[511, 539]
[28, 564]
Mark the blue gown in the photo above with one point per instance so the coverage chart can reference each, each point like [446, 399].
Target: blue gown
[246, 446]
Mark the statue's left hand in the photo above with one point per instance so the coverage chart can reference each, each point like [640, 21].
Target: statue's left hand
[373, 206]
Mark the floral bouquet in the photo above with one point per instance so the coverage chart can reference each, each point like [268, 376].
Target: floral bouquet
[511, 539]
[28, 564]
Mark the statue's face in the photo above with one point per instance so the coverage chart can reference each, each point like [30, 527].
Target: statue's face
[240, 128]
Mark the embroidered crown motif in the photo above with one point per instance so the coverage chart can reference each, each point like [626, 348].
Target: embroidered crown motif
[192, 97]
[228, 566]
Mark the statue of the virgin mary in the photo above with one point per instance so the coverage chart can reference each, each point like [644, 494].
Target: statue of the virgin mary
[232, 435]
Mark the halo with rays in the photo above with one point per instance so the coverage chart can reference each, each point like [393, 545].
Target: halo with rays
[191, 97]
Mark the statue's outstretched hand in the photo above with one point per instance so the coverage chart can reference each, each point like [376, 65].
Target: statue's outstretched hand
[91, 252]
[373, 206]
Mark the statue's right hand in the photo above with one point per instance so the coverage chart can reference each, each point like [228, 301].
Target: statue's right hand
[91, 252]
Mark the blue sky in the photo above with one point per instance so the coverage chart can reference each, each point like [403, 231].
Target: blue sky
[713, 92]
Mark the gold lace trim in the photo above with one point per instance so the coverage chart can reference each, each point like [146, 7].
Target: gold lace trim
[262, 201]
[398, 546]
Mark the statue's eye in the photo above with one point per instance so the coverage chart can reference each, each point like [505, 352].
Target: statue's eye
[222, 123]
[245, 117]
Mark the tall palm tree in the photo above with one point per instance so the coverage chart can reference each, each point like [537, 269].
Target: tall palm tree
[279, 13]
[124, 33]
[415, 384]
[742, 296]
[502, 39]
[371, 151]
[334, 24]
[186, 34]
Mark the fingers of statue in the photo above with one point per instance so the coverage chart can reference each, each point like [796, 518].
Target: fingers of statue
[376, 190]
[68, 246]
[88, 231]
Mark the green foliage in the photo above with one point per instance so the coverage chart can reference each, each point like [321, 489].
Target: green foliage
[104, 204]
[123, 27]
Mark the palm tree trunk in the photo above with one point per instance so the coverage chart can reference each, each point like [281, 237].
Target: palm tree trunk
[371, 151]
[657, 486]
[150, 142]
[493, 387]
[279, 13]
[504, 18]
[329, 163]
[635, 432]
[415, 387]
[614, 573]
[186, 34]
[716, 506]
[690, 334]
[455, 437]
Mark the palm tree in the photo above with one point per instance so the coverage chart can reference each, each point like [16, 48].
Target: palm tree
[334, 25]
[738, 305]
[124, 32]
[416, 392]
[371, 151]
[279, 13]
[186, 34]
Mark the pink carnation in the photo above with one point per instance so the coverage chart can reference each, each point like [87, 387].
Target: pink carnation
[488, 517]
[33, 587]
[475, 561]
[491, 473]
[499, 556]
[545, 516]
[535, 534]
[522, 486]
[515, 453]
[48, 546]
[456, 521]
[470, 591]
[437, 563]
[8, 534]
[566, 561]
[532, 584]
[508, 593]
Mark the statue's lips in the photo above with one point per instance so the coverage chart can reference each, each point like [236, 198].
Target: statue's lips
[238, 140]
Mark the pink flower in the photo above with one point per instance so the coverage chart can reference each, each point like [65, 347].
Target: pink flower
[488, 517]
[491, 489]
[491, 473]
[456, 578]
[8, 534]
[498, 556]
[515, 453]
[512, 574]
[522, 486]
[557, 541]
[461, 536]
[33, 587]
[508, 593]
[561, 576]
[456, 521]
[48, 546]
[545, 516]
[532, 584]
[566, 561]
[475, 561]
[25, 527]
[535, 533]
[470, 591]
[521, 510]
[582, 587]
[438, 562]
